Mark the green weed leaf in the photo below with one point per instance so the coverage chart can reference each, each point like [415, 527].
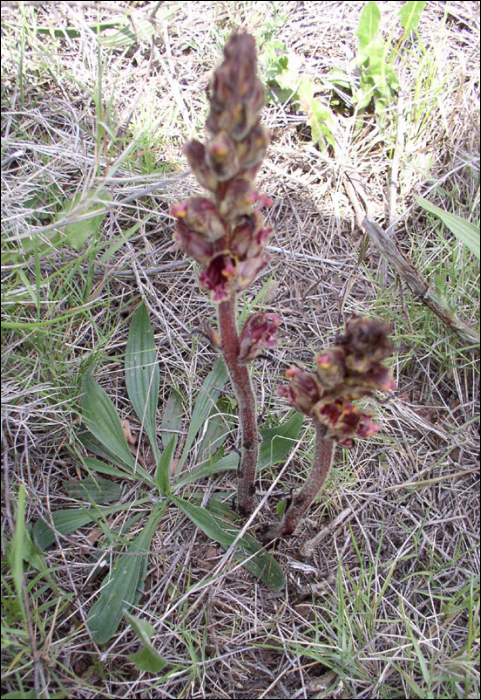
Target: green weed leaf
[261, 564]
[367, 28]
[208, 469]
[16, 551]
[464, 231]
[84, 207]
[120, 472]
[148, 659]
[410, 15]
[121, 590]
[217, 429]
[142, 375]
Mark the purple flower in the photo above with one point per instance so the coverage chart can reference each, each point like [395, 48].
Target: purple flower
[194, 244]
[257, 335]
[250, 237]
[219, 276]
[344, 421]
[201, 215]
[303, 391]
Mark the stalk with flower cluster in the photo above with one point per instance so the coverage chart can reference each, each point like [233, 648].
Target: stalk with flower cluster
[349, 370]
[225, 233]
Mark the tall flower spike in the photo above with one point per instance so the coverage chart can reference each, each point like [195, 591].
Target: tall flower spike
[226, 233]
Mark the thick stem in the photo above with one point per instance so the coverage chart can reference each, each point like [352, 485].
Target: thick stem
[321, 464]
[241, 382]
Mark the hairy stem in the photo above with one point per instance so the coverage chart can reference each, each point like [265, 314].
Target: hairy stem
[241, 382]
[321, 464]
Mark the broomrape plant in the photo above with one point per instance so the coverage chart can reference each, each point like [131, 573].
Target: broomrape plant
[227, 236]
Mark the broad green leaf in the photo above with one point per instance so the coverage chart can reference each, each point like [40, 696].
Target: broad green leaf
[368, 27]
[171, 422]
[279, 441]
[208, 469]
[464, 230]
[410, 14]
[262, 564]
[121, 590]
[163, 468]
[67, 521]
[121, 472]
[208, 397]
[148, 659]
[91, 444]
[94, 490]
[101, 418]
[142, 376]
[219, 425]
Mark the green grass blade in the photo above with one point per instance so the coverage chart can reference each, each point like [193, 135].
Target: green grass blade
[464, 231]
[208, 397]
[121, 590]
[163, 468]
[103, 421]
[142, 375]
[261, 564]
[16, 552]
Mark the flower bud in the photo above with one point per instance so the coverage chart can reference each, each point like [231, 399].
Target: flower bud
[252, 149]
[250, 238]
[344, 421]
[257, 335]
